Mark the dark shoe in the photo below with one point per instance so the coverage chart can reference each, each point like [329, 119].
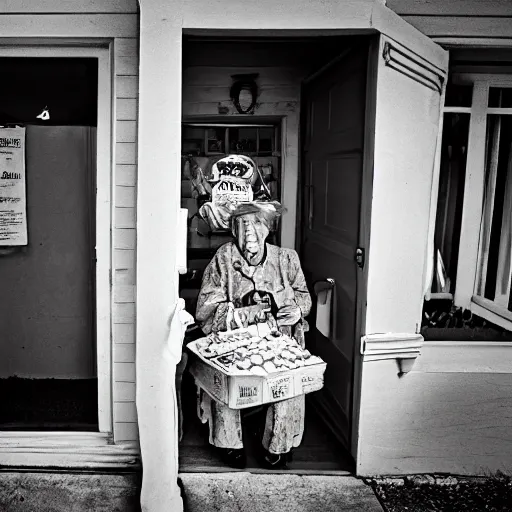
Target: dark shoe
[234, 458]
[276, 460]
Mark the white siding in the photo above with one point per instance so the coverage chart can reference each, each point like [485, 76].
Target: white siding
[124, 279]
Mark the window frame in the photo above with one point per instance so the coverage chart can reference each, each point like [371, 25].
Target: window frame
[469, 269]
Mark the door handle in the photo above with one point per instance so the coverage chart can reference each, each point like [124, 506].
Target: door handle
[322, 285]
[326, 307]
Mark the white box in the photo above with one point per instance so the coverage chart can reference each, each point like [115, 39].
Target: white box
[239, 389]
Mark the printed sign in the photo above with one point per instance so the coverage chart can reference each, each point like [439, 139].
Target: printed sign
[13, 201]
[248, 393]
[236, 189]
[312, 382]
[280, 387]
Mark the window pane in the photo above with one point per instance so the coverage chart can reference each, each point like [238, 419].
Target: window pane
[193, 140]
[458, 95]
[495, 258]
[449, 204]
[500, 97]
[266, 137]
[215, 140]
[68, 87]
[243, 140]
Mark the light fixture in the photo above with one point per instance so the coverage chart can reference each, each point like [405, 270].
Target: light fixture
[44, 115]
[244, 93]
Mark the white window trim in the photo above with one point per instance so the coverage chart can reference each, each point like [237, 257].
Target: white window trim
[26, 443]
[470, 246]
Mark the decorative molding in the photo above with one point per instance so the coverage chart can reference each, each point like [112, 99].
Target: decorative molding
[399, 346]
[66, 450]
[418, 70]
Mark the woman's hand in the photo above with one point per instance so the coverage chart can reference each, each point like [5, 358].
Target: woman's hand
[289, 315]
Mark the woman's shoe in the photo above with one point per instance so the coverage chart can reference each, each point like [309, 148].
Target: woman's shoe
[276, 460]
[234, 458]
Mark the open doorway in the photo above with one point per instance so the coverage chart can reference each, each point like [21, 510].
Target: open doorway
[312, 95]
[48, 374]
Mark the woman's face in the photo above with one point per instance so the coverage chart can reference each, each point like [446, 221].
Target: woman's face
[250, 233]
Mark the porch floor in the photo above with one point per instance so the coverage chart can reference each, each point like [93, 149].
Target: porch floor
[319, 452]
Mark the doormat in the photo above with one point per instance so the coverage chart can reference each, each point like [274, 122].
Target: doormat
[48, 404]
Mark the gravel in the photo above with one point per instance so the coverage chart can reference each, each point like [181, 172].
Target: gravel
[429, 493]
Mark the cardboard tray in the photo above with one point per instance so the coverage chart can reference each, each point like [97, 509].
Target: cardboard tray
[239, 389]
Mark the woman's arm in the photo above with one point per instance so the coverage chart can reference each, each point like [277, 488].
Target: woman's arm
[213, 302]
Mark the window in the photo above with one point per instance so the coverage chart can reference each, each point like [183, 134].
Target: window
[475, 197]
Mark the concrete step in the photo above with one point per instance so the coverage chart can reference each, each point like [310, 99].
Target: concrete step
[69, 492]
[247, 492]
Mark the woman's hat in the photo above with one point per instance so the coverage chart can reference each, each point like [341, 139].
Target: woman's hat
[268, 211]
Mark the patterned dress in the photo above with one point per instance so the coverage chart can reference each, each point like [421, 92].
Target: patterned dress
[229, 279]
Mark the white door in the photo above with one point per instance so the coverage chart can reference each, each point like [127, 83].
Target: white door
[409, 72]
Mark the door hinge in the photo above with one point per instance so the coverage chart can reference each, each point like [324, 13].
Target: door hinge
[360, 257]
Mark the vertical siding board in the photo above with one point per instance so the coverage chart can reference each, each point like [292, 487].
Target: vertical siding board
[124, 372]
[125, 197]
[124, 293]
[126, 431]
[123, 313]
[126, 131]
[124, 238]
[124, 392]
[127, 66]
[126, 153]
[126, 109]
[124, 333]
[124, 353]
[124, 277]
[124, 259]
[126, 175]
[124, 218]
[126, 87]
[126, 47]
[125, 412]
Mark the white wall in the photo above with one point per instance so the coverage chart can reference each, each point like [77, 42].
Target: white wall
[451, 413]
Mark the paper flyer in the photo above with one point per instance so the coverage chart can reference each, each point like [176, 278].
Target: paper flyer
[13, 201]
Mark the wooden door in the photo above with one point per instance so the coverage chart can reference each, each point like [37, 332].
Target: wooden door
[332, 170]
[47, 304]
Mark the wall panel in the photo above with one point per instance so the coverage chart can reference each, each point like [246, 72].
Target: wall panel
[434, 419]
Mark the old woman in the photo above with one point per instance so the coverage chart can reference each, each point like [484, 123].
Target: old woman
[246, 273]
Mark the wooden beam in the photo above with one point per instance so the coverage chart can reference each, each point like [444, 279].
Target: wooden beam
[461, 26]
[451, 8]
[69, 25]
[69, 6]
